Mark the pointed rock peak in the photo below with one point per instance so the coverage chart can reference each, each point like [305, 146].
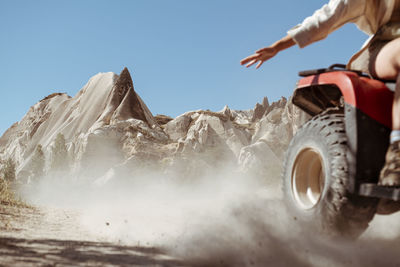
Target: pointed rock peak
[260, 109]
[130, 105]
[125, 71]
[123, 103]
[124, 81]
[227, 111]
[282, 102]
[265, 102]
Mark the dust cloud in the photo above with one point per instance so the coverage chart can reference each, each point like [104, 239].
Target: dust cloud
[220, 217]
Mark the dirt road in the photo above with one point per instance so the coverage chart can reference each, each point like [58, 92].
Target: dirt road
[183, 230]
[50, 237]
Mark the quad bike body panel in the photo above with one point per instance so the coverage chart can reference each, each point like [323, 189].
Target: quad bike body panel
[370, 96]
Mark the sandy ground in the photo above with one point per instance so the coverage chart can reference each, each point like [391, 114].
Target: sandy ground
[51, 237]
[55, 237]
[214, 225]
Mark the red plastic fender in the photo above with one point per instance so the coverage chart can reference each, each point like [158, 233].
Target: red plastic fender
[370, 96]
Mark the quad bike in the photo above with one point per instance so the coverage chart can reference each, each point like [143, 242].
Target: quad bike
[332, 165]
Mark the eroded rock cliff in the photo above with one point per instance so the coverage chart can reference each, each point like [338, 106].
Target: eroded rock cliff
[107, 127]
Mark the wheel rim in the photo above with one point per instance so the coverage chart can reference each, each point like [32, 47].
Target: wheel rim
[308, 178]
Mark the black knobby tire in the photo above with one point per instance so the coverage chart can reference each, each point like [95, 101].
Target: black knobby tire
[315, 178]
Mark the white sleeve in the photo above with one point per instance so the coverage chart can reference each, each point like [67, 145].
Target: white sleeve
[327, 19]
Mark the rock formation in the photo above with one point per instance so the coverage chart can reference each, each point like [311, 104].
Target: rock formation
[107, 127]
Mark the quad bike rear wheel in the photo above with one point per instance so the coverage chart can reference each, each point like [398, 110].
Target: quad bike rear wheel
[315, 179]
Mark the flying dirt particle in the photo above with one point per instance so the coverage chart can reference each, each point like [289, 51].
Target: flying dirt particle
[107, 223]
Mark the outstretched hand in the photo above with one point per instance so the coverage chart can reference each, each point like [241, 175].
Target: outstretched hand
[259, 56]
[262, 55]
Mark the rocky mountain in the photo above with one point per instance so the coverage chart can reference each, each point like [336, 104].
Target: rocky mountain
[107, 127]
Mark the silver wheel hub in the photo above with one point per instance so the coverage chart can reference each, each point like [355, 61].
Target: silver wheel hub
[308, 178]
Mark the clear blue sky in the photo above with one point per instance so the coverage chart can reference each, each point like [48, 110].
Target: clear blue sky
[183, 54]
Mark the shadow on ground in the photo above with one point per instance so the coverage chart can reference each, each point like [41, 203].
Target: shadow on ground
[25, 252]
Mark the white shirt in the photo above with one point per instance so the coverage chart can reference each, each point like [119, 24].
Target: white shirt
[368, 15]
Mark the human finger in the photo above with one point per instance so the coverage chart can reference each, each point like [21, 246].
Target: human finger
[259, 64]
[248, 59]
[251, 63]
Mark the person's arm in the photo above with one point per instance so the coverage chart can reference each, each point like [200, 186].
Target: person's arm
[269, 52]
[325, 20]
